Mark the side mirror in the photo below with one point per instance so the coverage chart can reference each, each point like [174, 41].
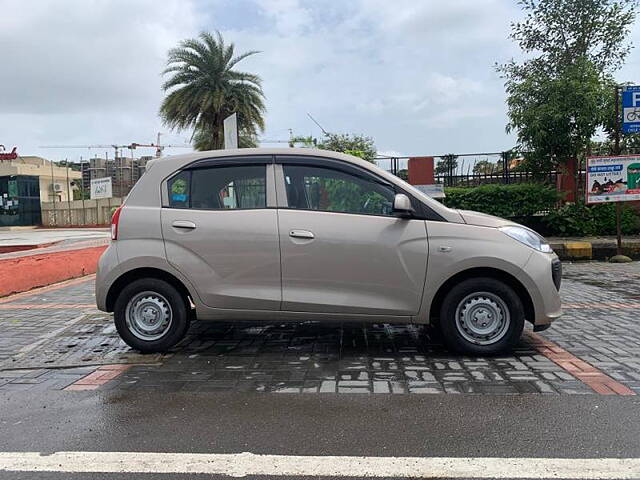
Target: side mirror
[402, 205]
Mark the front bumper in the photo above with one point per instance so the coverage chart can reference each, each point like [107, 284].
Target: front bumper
[545, 274]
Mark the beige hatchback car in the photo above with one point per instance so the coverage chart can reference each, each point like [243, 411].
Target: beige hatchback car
[311, 235]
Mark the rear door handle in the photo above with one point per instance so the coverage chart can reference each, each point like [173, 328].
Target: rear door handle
[184, 224]
[301, 234]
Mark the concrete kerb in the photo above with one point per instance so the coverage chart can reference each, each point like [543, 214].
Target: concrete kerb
[594, 249]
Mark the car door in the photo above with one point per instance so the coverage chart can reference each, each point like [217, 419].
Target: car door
[220, 230]
[342, 248]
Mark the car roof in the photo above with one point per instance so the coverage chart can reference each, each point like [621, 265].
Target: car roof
[164, 166]
[213, 154]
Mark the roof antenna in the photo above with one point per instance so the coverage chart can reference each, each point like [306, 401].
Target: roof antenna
[314, 121]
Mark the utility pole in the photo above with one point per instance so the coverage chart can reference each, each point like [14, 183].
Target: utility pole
[618, 89]
[53, 191]
[66, 164]
[84, 212]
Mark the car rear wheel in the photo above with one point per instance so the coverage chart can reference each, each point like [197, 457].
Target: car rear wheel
[481, 316]
[151, 315]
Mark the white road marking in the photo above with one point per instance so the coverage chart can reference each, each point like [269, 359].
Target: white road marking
[243, 464]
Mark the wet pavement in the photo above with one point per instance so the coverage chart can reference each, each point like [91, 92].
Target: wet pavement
[40, 236]
[67, 383]
[53, 337]
[355, 425]
[25, 243]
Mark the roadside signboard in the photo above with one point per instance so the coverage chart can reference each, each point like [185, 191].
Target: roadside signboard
[631, 109]
[101, 188]
[230, 125]
[613, 179]
[435, 190]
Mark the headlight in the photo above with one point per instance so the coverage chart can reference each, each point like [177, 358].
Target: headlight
[528, 237]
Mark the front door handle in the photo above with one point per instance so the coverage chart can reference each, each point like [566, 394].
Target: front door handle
[301, 234]
[184, 224]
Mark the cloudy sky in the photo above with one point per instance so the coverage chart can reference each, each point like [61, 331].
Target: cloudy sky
[416, 75]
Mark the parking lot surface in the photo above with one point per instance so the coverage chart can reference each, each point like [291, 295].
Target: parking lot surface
[54, 338]
[320, 400]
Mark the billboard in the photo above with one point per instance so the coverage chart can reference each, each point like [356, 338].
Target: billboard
[101, 188]
[435, 190]
[613, 179]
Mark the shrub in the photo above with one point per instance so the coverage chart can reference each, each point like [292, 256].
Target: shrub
[582, 220]
[520, 200]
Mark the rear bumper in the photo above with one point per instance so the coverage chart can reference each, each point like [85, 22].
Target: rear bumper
[108, 261]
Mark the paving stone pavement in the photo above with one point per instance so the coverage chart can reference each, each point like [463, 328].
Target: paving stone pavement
[600, 326]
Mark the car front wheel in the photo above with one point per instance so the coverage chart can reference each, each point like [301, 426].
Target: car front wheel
[151, 315]
[481, 316]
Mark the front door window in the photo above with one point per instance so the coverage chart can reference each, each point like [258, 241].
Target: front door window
[330, 190]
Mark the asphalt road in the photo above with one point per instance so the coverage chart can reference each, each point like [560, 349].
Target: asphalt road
[368, 425]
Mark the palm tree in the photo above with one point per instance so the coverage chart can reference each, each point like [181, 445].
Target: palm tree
[204, 89]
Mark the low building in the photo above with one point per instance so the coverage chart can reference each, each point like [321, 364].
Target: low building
[57, 183]
[27, 182]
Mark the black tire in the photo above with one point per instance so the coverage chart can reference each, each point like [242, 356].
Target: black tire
[180, 317]
[452, 331]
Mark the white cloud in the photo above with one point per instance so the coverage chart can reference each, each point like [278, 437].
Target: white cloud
[417, 76]
[85, 71]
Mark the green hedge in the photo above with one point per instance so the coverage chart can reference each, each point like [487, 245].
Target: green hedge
[521, 202]
[518, 200]
[581, 220]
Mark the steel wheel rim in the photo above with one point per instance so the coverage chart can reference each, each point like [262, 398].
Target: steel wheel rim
[148, 316]
[482, 318]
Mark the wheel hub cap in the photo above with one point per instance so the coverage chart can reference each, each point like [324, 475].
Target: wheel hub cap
[148, 316]
[482, 318]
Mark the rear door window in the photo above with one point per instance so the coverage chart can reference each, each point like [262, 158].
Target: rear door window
[179, 187]
[226, 187]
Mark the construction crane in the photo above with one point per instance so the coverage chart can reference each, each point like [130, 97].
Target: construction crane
[132, 146]
[158, 146]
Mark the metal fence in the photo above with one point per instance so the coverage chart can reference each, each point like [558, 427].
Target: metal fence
[473, 169]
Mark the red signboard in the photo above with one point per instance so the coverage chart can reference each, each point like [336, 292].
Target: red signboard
[8, 156]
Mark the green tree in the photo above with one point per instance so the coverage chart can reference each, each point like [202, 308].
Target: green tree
[352, 144]
[556, 116]
[203, 140]
[485, 167]
[557, 98]
[447, 164]
[204, 88]
[304, 142]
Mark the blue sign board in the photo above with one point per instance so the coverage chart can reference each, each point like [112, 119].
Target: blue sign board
[631, 109]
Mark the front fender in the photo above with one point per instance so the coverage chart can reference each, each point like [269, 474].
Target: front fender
[455, 248]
